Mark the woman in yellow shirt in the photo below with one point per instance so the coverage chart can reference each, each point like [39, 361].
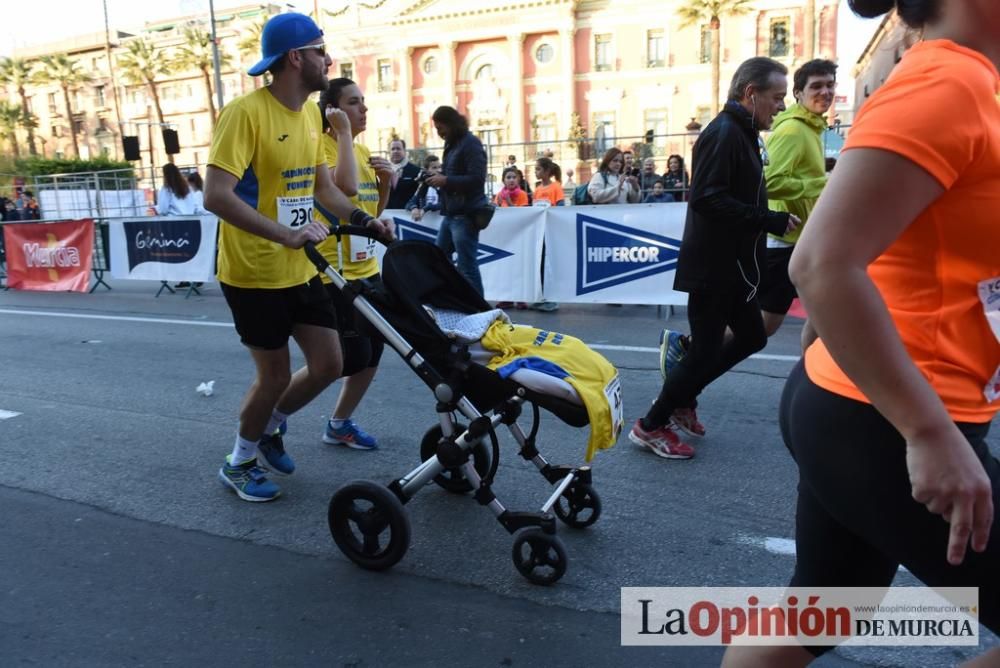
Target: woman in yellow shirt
[366, 180]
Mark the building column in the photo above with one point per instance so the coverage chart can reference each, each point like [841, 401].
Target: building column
[405, 97]
[567, 52]
[449, 73]
[516, 43]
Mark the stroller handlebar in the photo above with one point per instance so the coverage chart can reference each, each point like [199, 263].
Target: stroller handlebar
[338, 230]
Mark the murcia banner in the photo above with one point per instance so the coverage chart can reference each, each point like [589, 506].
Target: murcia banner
[622, 254]
[510, 249]
[49, 256]
[164, 248]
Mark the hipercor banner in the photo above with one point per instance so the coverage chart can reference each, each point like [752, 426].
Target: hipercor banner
[618, 254]
[49, 256]
[510, 249]
[164, 248]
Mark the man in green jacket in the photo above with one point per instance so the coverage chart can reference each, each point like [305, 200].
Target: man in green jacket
[795, 169]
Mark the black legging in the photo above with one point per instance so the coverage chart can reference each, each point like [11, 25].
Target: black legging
[360, 342]
[710, 355]
[856, 520]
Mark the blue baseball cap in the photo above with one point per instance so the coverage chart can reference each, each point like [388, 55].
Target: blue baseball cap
[281, 34]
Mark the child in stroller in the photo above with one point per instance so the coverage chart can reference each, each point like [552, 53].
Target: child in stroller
[421, 292]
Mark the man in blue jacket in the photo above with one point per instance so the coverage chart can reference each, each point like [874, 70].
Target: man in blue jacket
[462, 190]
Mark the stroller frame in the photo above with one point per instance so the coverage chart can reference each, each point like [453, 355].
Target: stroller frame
[455, 457]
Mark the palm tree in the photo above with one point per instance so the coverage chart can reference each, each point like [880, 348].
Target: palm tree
[11, 117]
[142, 64]
[196, 54]
[18, 72]
[249, 44]
[698, 12]
[60, 69]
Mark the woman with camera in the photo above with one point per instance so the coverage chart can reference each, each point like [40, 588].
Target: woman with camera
[609, 185]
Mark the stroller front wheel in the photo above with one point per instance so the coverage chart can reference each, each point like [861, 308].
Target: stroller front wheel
[579, 506]
[539, 557]
[369, 525]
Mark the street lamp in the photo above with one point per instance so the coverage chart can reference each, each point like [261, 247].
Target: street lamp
[215, 56]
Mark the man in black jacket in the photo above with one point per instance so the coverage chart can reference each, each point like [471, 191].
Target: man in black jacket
[721, 254]
[404, 176]
[461, 187]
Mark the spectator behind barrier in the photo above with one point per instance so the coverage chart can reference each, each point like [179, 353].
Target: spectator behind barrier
[676, 180]
[175, 198]
[426, 198]
[609, 185]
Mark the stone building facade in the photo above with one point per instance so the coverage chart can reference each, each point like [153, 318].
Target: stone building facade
[525, 72]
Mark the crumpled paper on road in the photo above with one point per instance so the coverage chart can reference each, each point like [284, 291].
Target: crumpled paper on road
[206, 389]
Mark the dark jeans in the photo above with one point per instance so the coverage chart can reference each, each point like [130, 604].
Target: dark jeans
[459, 235]
[856, 520]
[710, 355]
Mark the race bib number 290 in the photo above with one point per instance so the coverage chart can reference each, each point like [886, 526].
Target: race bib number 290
[294, 212]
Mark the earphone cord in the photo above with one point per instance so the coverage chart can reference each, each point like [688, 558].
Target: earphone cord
[754, 286]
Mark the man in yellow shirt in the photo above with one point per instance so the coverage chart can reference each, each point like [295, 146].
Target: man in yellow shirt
[266, 166]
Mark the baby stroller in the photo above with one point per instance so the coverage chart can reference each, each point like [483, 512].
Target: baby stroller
[367, 520]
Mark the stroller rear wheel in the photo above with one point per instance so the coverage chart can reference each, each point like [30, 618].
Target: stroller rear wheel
[369, 525]
[452, 479]
[579, 506]
[539, 557]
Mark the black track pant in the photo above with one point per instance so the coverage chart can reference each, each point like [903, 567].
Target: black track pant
[710, 356]
[856, 520]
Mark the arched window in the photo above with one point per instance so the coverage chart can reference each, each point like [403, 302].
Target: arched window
[485, 72]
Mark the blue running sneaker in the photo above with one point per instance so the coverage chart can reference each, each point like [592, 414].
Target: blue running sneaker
[273, 449]
[673, 347]
[248, 481]
[283, 428]
[349, 434]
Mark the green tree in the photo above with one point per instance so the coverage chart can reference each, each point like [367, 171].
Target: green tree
[60, 69]
[699, 12]
[249, 44]
[11, 117]
[17, 72]
[196, 54]
[142, 64]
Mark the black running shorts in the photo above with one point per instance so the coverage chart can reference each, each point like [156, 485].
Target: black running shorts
[776, 289]
[265, 318]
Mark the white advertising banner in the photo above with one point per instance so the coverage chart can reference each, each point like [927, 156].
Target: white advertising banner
[175, 248]
[613, 254]
[510, 249]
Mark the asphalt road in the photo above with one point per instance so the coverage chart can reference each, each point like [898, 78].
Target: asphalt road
[118, 547]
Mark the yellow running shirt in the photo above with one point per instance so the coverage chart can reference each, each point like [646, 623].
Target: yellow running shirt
[593, 377]
[273, 151]
[357, 254]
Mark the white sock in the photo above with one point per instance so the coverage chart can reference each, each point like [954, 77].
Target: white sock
[243, 451]
[275, 421]
[337, 423]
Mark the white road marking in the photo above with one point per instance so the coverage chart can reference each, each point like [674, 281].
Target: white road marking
[6, 415]
[211, 323]
[120, 318]
[781, 546]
